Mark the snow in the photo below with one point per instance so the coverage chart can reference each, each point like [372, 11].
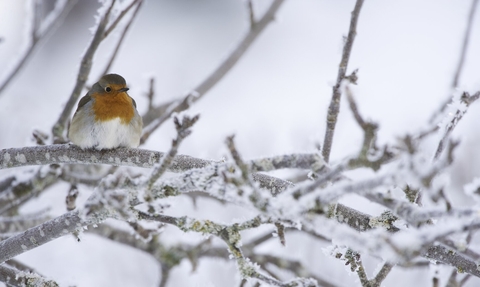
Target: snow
[275, 100]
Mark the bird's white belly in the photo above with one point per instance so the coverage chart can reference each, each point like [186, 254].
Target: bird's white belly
[113, 133]
[105, 135]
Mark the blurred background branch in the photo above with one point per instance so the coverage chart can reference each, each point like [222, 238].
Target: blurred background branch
[40, 28]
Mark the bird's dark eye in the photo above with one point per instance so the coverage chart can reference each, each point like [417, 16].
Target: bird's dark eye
[108, 89]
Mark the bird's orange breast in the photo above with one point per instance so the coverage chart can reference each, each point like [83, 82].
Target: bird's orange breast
[109, 107]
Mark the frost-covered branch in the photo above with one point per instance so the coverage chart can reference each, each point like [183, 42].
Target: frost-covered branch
[231, 236]
[463, 104]
[183, 130]
[334, 107]
[19, 223]
[71, 154]
[41, 234]
[21, 190]
[14, 277]
[365, 157]
[461, 60]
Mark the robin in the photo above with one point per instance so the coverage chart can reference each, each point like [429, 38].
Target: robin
[106, 117]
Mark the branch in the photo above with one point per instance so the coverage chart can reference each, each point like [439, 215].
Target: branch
[120, 16]
[466, 40]
[19, 223]
[334, 107]
[38, 33]
[466, 100]
[219, 72]
[461, 60]
[447, 256]
[14, 277]
[450, 256]
[124, 32]
[41, 234]
[71, 154]
[22, 190]
[183, 131]
[381, 275]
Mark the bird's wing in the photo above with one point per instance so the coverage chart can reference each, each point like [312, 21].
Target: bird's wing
[134, 103]
[83, 102]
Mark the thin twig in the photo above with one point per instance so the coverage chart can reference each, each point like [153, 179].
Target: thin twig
[217, 74]
[120, 16]
[124, 32]
[251, 13]
[466, 40]
[465, 99]
[36, 35]
[151, 93]
[381, 275]
[237, 158]
[461, 60]
[334, 107]
[183, 130]
[464, 280]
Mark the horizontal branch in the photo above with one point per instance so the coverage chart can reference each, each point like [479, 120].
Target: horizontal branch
[70, 154]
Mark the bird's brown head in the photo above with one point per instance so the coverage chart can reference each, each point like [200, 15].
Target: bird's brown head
[111, 99]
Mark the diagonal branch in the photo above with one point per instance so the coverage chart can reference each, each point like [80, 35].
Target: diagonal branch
[334, 107]
[38, 33]
[124, 32]
[85, 67]
[465, 99]
[461, 60]
[220, 71]
[466, 40]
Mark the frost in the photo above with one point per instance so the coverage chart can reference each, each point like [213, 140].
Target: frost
[21, 158]
[6, 158]
[47, 156]
[247, 268]
[194, 94]
[24, 247]
[473, 189]
[42, 234]
[63, 158]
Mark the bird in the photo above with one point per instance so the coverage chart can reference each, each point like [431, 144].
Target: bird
[106, 117]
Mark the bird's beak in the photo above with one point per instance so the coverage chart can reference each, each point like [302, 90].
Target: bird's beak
[124, 89]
